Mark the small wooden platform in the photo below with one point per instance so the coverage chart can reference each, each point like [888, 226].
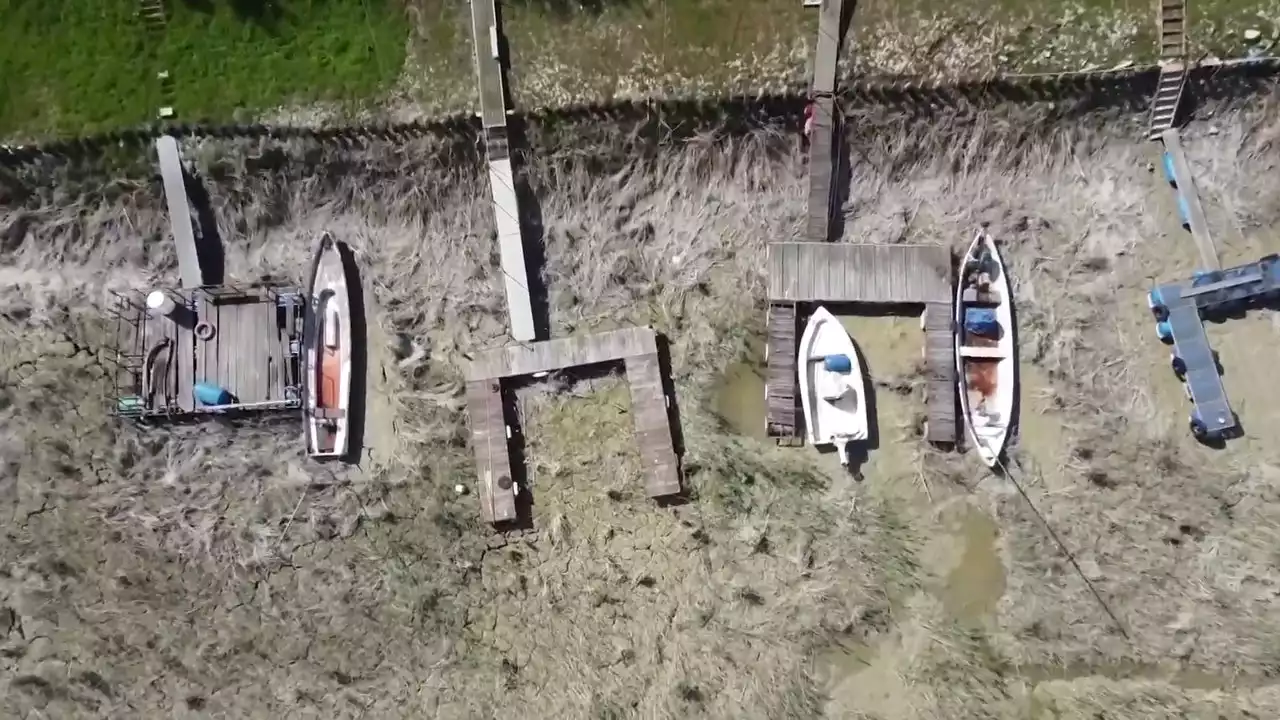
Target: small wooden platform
[859, 273]
[636, 348]
[252, 352]
[824, 148]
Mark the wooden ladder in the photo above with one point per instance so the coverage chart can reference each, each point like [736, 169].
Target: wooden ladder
[1173, 67]
[152, 13]
[1173, 31]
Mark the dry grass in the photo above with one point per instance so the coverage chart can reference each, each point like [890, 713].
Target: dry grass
[156, 574]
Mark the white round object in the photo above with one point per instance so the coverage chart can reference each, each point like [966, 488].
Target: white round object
[158, 301]
[459, 489]
[1252, 34]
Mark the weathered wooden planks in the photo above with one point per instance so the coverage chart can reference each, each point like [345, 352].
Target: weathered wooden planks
[531, 358]
[823, 143]
[489, 442]
[940, 366]
[781, 397]
[850, 272]
[653, 426]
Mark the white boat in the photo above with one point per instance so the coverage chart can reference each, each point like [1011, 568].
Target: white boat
[832, 388]
[986, 366]
[327, 335]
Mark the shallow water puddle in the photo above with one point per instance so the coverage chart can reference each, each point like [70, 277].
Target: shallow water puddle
[976, 583]
[740, 398]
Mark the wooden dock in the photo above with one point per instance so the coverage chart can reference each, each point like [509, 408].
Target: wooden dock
[175, 195]
[940, 373]
[491, 78]
[782, 416]
[825, 140]
[1189, 200]
[636, 348]
[859, 273]
[811, 272]
[242, 340]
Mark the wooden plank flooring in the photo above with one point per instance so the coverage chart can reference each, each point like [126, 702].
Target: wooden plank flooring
[822, 146]
[530, 358]
[859, 272]
[653, 426]
[184, 359]
[940, 362]
[781, 381]
[489, 442]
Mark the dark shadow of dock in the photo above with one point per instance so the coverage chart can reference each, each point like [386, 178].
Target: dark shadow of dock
[532, 230]
[209, 248]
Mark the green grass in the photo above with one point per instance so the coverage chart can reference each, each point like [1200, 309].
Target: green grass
[78, 66]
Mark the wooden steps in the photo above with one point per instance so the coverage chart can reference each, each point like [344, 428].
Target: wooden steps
[1164, 107]
[153, 14]
[1173, 30]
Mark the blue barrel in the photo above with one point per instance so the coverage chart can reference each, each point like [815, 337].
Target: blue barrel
[1184, 213]
[837, 363]
[210, 394]
[1169, 174]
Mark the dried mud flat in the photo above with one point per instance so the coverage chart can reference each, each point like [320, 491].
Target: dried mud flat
[205, 574]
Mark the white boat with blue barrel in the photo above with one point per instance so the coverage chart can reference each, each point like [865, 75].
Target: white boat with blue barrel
[986, 363]
[833, 391]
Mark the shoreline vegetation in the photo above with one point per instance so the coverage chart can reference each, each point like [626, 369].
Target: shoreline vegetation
[311, 61]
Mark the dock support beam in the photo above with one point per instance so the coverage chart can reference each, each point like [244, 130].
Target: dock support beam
[175, 195]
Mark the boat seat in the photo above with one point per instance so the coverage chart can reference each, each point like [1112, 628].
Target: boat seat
[329, 413]
[971, 351]
[971, 296]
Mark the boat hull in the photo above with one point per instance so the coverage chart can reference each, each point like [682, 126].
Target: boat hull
[832, 389]
[986, 363]
[327, 336]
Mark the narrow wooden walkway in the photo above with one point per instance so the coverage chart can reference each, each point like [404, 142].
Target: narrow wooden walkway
[1189, 206]
[175, 195]
[940, 373]
[636, 348]
[491, 79]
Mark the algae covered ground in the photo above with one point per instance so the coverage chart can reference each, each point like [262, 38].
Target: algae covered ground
[211, 572]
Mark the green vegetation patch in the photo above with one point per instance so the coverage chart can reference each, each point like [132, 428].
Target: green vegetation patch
[82, 66]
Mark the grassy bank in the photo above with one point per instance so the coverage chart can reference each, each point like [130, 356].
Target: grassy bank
[160, 574]
[72, 67]
[77, 66]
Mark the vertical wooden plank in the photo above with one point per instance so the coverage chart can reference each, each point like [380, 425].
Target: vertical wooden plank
[489, 444]
[226, 346]
[185, 359]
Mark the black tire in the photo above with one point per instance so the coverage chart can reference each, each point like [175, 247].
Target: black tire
[1198, 430]
[1160, 312]
[1179, 367]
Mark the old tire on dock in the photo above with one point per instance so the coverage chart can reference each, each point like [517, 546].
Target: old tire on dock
[1179, 367]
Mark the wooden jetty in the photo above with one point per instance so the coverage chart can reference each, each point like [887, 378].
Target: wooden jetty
[491, 78]
[825, 138]
[636, 348]
[244, 340]
[175, 195]
[1189, 200]
[802, 273]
